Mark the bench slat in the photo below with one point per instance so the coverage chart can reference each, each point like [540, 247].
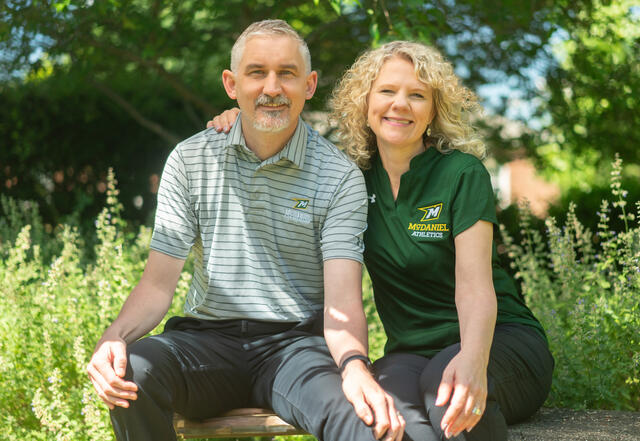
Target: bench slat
[236, 423]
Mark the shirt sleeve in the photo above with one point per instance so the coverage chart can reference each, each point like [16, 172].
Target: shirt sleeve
[346, 220]
[175, 228]
[473, 199]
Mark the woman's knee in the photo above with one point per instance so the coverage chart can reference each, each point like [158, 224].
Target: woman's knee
[521, 367]
[432, 374]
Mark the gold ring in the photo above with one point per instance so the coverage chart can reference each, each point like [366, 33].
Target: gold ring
[476, 411]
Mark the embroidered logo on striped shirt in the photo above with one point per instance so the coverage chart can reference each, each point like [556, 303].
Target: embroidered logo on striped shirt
[297, 216]
[301, 204]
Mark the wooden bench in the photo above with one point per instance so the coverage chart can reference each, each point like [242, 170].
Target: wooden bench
[237, 423]
[545, 425]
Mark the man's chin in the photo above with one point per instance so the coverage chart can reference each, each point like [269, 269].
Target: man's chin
[271, 125]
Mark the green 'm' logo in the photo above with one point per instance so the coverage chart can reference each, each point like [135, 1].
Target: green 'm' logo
[301, 204]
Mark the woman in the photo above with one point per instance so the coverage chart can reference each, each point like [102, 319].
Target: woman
[464, 356]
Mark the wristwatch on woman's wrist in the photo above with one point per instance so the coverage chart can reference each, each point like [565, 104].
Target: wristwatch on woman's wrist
[361, 357]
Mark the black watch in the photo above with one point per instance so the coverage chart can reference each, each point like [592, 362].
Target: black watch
[349, 359]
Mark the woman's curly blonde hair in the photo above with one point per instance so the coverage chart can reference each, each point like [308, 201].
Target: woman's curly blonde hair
[450, 129]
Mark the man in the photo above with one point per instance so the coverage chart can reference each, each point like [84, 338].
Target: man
[275, 215]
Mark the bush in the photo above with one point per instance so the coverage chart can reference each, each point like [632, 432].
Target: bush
[52, 312]
[584, 288]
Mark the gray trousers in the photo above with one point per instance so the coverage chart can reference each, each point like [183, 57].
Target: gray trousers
[519, 379]
[201, 368]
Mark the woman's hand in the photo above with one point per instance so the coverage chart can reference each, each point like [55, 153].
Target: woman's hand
[464, 386]
[224, 121]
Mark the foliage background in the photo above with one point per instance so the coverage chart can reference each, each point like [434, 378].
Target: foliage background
[89, 85]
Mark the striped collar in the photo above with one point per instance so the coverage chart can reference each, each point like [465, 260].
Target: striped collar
[294, 150]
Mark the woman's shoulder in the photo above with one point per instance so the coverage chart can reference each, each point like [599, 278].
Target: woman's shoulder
[455, 163]
[459, 159]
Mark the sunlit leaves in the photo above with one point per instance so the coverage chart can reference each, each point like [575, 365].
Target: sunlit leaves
[591, 103]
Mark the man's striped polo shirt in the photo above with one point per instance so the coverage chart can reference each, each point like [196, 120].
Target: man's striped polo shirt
[260, 230]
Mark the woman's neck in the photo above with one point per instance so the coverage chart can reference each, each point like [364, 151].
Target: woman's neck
[396, 162]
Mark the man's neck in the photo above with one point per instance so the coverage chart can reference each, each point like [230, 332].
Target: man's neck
[266, 144]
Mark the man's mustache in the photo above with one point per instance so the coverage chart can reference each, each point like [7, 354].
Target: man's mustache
[278, 100]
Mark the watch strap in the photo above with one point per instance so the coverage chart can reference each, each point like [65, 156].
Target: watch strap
[361, 357]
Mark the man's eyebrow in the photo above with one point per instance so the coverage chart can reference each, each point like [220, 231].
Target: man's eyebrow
[262, 66]
[289, 66]
[254, 66]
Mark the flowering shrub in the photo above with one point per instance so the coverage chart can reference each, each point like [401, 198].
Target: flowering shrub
[53, 308]
[585, 289]
[57, 298]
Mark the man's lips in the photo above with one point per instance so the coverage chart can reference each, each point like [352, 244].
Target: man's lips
[271, 107]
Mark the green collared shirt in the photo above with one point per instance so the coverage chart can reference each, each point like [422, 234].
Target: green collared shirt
[410, 250]
[260, 230]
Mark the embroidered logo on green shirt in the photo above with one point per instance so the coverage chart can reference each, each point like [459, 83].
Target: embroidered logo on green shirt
[432, 212]
[429, 230]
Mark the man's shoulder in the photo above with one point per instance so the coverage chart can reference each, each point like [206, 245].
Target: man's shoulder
[325, 153]
[196, 144]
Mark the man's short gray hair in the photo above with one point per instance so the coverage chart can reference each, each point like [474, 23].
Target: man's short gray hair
[269, 28]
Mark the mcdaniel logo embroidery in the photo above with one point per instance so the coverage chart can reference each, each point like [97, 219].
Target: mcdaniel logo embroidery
[425, 228]
[432, 212]
[296, 213]
[301, 204]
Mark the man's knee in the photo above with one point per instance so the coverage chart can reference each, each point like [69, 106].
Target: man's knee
[307, 392]
[149, 359]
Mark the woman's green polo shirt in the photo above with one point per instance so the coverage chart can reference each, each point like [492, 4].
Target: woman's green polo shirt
[410, 253]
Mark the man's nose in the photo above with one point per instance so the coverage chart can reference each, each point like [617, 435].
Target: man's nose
[272, 85]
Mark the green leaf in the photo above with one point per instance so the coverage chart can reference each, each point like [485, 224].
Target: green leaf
[336, 5]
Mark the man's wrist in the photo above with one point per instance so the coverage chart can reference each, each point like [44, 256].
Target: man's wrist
[363, 358]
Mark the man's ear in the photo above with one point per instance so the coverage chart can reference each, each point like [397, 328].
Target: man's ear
[229, 82]
[312, 83]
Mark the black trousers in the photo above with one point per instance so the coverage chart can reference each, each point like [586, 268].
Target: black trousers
[201, 368]
[519, 379]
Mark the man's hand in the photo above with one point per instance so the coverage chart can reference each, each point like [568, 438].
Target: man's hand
[224, 121]
[106, 370]
[371, 403]
[148, 302]
[464, 381]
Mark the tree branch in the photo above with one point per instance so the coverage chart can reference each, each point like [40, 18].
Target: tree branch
[128, 107]
[173, 81]
[387, 16]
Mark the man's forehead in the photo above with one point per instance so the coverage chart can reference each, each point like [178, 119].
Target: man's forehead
[262, 50]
